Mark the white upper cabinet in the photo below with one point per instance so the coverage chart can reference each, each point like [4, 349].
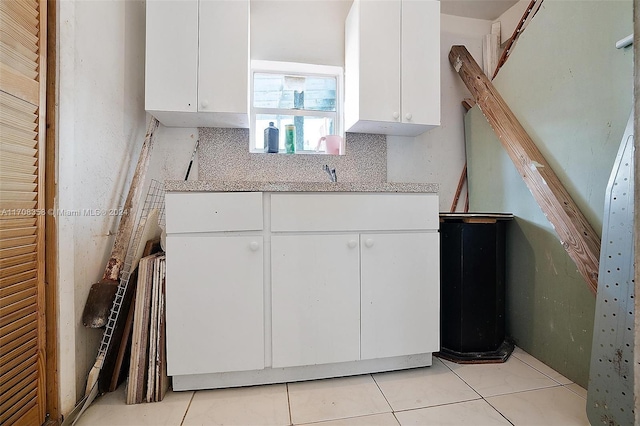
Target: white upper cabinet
[197, 62]
[392, 67]
[171, 66]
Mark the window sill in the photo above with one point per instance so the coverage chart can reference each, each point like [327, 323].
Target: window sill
[295, 153]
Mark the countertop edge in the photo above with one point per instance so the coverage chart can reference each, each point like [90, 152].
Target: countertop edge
[245, 186]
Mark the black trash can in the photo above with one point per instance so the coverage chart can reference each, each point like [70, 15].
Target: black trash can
[472, 287]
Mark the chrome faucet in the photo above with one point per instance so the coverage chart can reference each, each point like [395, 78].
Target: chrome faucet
[331, 173]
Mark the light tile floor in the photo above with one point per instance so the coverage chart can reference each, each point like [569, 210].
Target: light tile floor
[522, 391]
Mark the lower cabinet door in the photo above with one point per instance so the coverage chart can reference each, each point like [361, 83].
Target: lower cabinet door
[315, 299]
[215, 308]
[400, 294]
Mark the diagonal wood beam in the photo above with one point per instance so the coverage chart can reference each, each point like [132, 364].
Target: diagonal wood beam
[576, 234]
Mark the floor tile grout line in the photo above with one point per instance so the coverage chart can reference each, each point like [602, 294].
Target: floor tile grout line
[523, 391]
[507, 393]
[320, 422]
[498, 411]
[557, 383]
[537, 369]
[396, 417]
[289, 404]
[463, 380]
[382, 392]
[193, 395]
[444, 404]
[571, 390]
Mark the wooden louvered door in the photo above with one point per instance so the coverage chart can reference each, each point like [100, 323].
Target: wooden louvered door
[22, 130]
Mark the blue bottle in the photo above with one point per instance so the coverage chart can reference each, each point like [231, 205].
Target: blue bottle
[271, 138]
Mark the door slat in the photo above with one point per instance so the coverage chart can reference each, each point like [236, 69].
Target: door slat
[18, 269]
[28, 415]
[22, 397]
[16, 242]
[8, 222]
[17, 260]
[14, 358]
[18, 338]
[17, 177]
[15, 288]
[17, 251]
[14, 316]
[23, 87]
[13, 326]
[24, 276]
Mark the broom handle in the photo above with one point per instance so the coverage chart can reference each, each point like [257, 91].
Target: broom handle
[125, 227]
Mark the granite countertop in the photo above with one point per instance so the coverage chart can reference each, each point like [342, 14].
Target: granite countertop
[242, 186]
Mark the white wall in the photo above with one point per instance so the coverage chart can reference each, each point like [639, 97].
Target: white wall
[310, 31]
[101, 128]
[510, 19]
[439, 154]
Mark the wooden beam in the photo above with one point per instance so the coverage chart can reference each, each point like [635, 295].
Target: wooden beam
[529, 13]
[456, 196]
[53, 409]
[576, 234]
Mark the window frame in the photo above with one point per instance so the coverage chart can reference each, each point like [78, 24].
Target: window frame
[296, 69]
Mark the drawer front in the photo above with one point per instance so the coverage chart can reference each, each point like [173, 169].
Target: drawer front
[353, 212]
[213, 212]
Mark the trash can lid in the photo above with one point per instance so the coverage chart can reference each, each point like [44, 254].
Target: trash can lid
[476, 217]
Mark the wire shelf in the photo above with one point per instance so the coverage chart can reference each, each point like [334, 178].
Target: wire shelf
[153, 201]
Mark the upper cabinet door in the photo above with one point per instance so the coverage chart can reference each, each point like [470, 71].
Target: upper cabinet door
[420, 62]
[171, 55]
[380, 60]
[197, 62]
[224, 56]
[392, 67]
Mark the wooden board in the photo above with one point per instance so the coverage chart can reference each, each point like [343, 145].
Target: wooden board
[140, 340]
[148, 381]
[576, 234]
[161, 378]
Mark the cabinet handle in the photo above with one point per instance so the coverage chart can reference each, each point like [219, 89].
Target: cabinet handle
[396, 115]
[204, 103]
[254, 246]
[368, 242]
[409, 116]
[352, 243]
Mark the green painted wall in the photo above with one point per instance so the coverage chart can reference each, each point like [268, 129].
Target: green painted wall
[571, 89]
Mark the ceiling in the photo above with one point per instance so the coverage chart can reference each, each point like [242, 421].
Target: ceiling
[479, 9]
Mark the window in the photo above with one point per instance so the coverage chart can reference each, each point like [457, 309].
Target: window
[309, 97]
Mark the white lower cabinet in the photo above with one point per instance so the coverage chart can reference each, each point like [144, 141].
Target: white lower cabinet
[215, 314]
[315, 296]
[274, 287]
[347, 297]
[400, 284]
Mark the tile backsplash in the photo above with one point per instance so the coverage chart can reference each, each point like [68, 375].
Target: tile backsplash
[224, 155]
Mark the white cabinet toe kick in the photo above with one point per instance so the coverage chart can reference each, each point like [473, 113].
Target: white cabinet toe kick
[276, 287]
[297, 374]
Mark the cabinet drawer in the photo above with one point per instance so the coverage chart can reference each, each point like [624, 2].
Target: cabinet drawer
[353, 212]
[213, 212]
